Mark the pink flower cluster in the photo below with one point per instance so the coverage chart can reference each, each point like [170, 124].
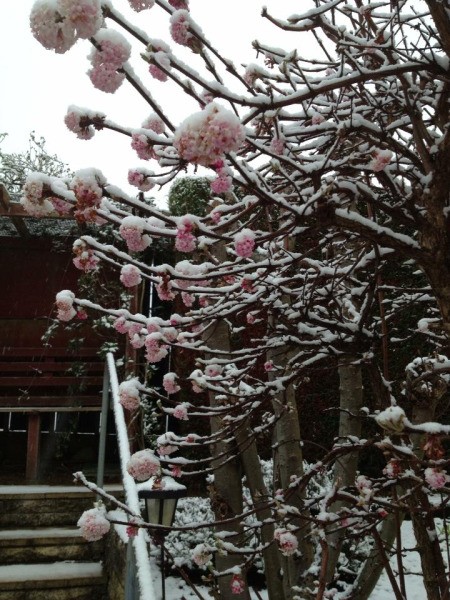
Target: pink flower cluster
[380, 160]
[79, 121]
[180, 24]
[94, 524]
[129, 394]
[223, 182]
[113, 52]
[154, 123]
[436, 478]
[64, 305]
[85, 259]
[237, 584]
[143, 146]
[141, 178]
[170, 384]
[143, 465]
[287, 542]
[139, 5]
[179, 4]
[201, 555]
[57, 24]
[213, 370]
[156, 350]
[130, 276]
[244, 243]
[165, 444]
[87, 186]
[204, 137]
[185, 240]
[132, 231]
[161, 59]
[277, 145]
[33, 200]
[181, 412]
[164, 289]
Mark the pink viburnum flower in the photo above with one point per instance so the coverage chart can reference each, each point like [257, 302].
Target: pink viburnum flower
[237, 584]
[143, 146]
[130, 276]
[139, 5]
[154, 123]
[161, 64]
[221, 185]
[51, 28]
[33, 200]
[205, 137]
[169, 383]
[87, 186]
[179, 30]
[287, 542]
[85, 259]
[317, 118]
[268, 366]
[175, 471]
[188, 299]
[141, 178]
[61, 206]
[64, 305]
[132, 530]
[80, 121]
[201, 555]
[165, 444]
[185, 241]
[180, 4]
[105, 78]
[436, 478]
[244, 243]
[94, 524]
[164, 290]
[181, 412]
[213, 370]
[143, 465]
[129, 394]
[84, 15]
[132, 231]
[250, 318]
[277, 145]
[121, 325]
[380, 160]
[155, 350]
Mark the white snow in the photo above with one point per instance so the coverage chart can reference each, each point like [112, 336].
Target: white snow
[42, 572]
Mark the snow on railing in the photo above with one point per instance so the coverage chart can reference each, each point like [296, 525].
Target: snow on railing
[143, 567]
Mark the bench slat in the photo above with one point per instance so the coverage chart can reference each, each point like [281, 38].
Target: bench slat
[47, 381]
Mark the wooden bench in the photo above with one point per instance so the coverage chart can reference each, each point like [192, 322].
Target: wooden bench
[43, 380]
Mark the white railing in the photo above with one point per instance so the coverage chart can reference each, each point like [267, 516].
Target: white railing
[138, 562]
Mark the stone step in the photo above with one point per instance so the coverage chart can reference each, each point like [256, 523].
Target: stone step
[46, 506]
[52, 581]
[46, 545]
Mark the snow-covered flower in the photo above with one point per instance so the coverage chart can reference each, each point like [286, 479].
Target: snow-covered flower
[237, 584]
[130, 276]
[64, 304]
[380, 160]
[287, 542]
[85, 16]
[180, 23]
[132, 231]
[143, 146]
[180, 412]
[185, 240]
[94, 524]
[50, 28]
[154, 123]
[392, 419]
[277, 145]
[129, 396]
[139, 5]
[206, 136]
[201, 555]
[435, 477]
[143, 465]
[169, 383]
[244, 243]
[156, 350]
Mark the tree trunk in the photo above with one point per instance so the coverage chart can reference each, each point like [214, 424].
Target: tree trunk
[255, 481]
[287, 462]
[350, 402]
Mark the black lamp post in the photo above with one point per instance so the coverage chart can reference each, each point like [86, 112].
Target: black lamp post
[161, 498]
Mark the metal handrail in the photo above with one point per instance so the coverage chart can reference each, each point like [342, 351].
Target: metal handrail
[138, 562]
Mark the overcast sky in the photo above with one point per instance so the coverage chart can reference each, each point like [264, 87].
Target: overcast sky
[37, 85]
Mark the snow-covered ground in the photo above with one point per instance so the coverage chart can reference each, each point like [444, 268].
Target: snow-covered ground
[176, 588]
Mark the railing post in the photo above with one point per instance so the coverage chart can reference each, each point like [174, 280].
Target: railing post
[103, 427]
[131, 584]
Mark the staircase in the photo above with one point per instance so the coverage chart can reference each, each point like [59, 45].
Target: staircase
[42, 555]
